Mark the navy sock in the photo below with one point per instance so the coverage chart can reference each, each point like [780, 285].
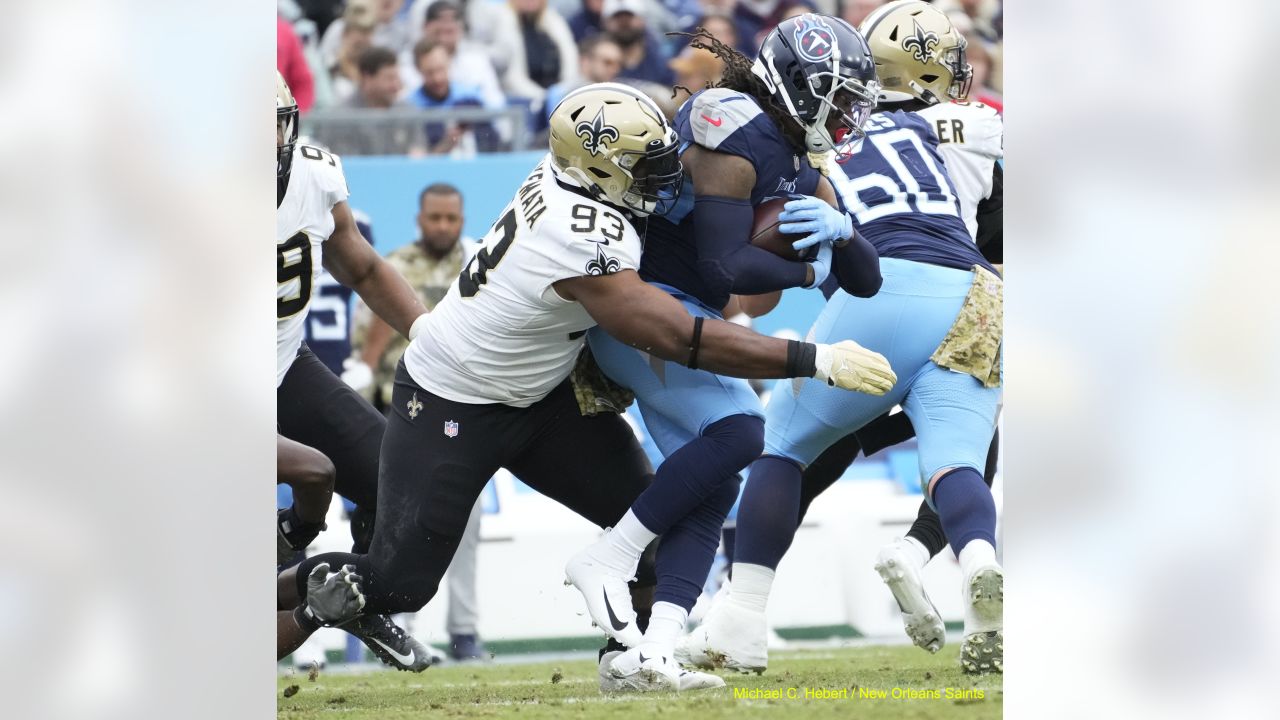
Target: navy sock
[768, 511]
[699, 469]
[965, 507]
[687, 550]
[730, 535]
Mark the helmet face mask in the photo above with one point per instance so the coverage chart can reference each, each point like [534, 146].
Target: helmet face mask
[613, 142]
[821, 72]
[286, 135]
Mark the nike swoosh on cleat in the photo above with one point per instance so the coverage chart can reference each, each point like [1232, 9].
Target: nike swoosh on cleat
[613, 619]
[403, 659]
[644, 659]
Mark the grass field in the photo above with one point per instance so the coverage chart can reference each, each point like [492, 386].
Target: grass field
[863, 680]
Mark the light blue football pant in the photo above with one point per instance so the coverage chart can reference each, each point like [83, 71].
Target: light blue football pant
[953, 413]
[677, 403]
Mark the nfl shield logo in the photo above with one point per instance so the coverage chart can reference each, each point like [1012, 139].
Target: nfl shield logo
[450, 428]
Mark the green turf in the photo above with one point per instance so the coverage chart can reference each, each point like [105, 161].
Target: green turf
[568, 689]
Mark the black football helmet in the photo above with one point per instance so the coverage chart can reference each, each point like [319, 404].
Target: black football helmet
[819, 68]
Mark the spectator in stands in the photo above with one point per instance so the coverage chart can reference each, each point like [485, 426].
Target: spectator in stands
[389, 29]
[755, 18]
[599, 60]
[535, 50]
[695, 70]
[721, 27]
[442, 24]
[982, 90]
[441, 89]
[855, 11]
[643, 55]
[379, 83]
[292, 64]
[587, 21]
[355, 37]
[981, 15]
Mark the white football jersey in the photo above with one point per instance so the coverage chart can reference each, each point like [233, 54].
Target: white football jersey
[503, 334]
[971, 140]
[304, 220]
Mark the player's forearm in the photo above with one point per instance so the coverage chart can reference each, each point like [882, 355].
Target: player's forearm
[289, 635]
[727, 262]
[389, 297]
[857, 267]
[729, 349]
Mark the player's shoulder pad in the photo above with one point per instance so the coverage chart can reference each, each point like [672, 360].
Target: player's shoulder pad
[325, 169]
[983, 125]
[592, 237]
[717, 113]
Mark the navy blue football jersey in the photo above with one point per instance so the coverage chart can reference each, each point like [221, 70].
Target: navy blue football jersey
[328, 326]
[902, 200]
[730, 122]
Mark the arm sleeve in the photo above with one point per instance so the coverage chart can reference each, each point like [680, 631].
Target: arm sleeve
[727, 261]
[856, 267]
[990, 236]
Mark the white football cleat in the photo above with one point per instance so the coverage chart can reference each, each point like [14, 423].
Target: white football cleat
[632, 671]
[732, 637]
[608, 598]
[694, 680]
[983, 648]
[919, 616]
[609, 683]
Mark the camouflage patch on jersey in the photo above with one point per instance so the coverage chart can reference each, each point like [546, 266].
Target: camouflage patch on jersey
[973, 343]
[596, 393]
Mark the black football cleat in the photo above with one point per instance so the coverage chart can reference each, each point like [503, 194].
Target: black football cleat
[390, 643]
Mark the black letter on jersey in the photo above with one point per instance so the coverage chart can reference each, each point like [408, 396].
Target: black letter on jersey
[468, 282]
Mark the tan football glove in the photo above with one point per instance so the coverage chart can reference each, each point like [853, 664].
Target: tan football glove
[850, 366]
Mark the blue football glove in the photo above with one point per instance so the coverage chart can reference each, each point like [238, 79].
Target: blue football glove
[812, 215]
[821, 265]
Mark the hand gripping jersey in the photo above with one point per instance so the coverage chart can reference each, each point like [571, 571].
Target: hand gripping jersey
[729, 122]
[502, 334]
[971, 140]
[304, 220]
[902, 200]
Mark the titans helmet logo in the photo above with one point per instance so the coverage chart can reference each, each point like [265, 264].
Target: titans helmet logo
[814, 38]
[920, 43]
[594, 133]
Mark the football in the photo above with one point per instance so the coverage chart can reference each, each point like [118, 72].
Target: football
[765, 233]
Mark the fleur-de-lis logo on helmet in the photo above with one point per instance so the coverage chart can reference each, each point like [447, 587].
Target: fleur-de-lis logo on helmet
[594, 133]
[603, 264]
[921, 43]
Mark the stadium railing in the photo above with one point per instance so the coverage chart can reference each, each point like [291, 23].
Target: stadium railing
[398, 131]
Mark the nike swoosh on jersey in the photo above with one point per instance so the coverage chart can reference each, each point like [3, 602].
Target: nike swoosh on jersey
[713, 121]
[406, 659]
[613, 619]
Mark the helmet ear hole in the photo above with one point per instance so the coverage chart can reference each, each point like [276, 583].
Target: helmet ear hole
[599, 173]
[928, 78]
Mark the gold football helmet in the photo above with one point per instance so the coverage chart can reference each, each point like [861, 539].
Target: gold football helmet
[918, 53]
[611, 140]
[286, 134]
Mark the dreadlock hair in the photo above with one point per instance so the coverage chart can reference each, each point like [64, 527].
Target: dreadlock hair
[737, 76]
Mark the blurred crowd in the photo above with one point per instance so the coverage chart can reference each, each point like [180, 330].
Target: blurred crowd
[390, 55]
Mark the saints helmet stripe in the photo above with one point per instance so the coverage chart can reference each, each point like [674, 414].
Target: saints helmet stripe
[869, 22]
[645, 100]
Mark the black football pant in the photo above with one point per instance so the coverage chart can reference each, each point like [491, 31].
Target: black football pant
[885, 431]
[314, 407]
[438, 454]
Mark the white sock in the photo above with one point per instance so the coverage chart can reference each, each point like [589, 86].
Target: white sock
[918, 551]
[666, 622]
[975, 554]
[751, 585]
[621, 547]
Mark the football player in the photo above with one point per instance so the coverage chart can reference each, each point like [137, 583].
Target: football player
[487, 382]
[742, 142]
[938, 316]
[920, 58]
[315, 229]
